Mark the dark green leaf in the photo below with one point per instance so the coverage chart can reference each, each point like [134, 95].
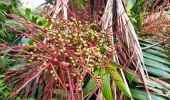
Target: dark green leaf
[157, 72]
[2, 16]
[27, 12]
[142, 95]
[156, 64]
[90, 86]
[156, 58]
[102, 50]
[132, 77]
[156, 53]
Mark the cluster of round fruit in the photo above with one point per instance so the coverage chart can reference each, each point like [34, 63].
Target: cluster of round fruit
[75, 46]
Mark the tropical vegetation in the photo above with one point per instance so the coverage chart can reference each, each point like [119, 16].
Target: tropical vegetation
[85, 50]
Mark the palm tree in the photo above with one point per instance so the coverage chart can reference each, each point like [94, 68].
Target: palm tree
[111, 80]
[115, 20]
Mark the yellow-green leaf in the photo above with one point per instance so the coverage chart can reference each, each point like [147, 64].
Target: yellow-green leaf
[106, 88]
[120, 83]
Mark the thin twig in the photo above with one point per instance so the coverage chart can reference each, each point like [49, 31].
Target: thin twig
[148, 47]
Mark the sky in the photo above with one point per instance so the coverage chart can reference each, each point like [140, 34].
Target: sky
[32, 3]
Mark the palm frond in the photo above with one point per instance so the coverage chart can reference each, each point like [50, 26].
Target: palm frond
[126, 36]
[158, 70]
[54, 7]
